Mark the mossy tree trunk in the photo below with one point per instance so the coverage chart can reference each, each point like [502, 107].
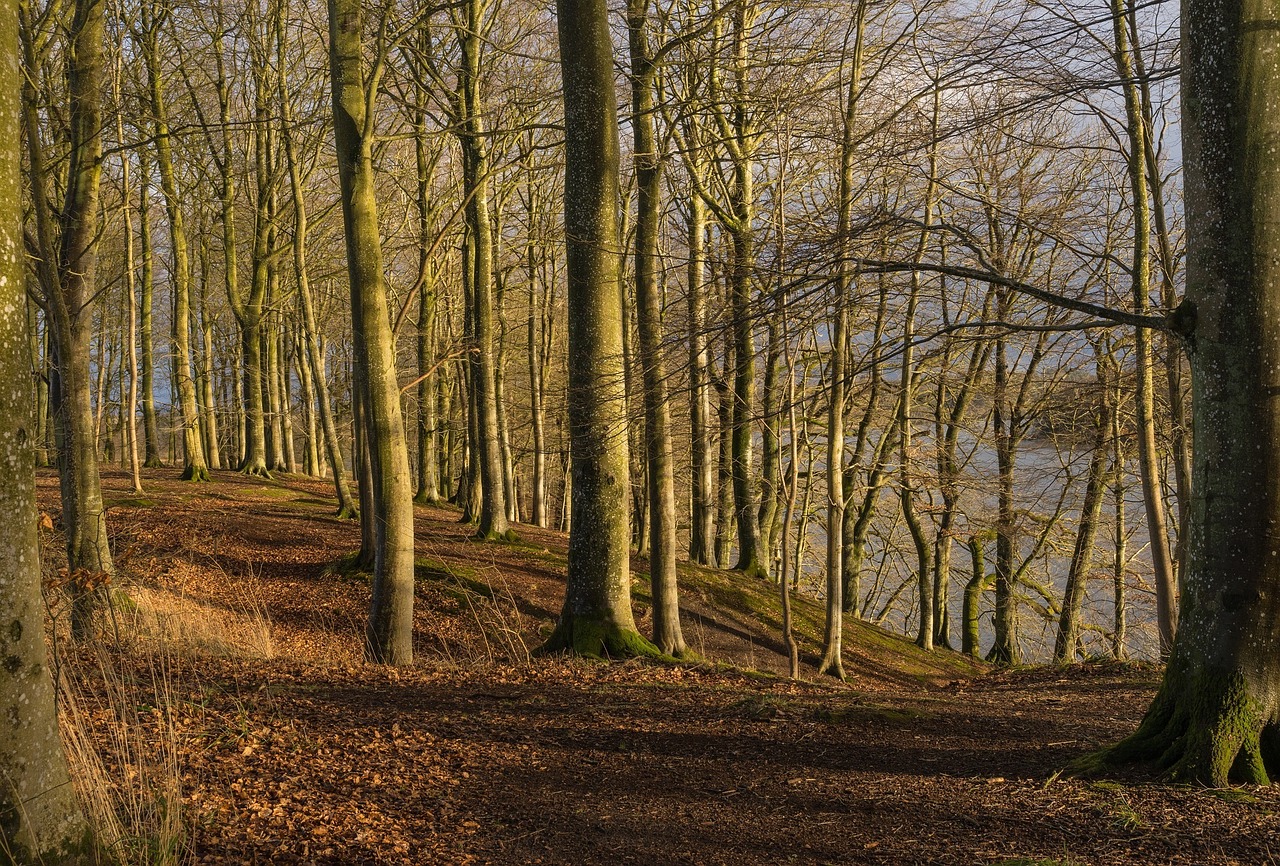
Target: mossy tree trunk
[40, 820]
[596, 619]
[389, 634]
[1216, 717]
[67, 240]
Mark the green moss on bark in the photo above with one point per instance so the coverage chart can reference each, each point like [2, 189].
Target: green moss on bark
[1202, 728]
[590, 637]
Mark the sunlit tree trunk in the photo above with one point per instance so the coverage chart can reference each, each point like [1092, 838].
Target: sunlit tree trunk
[596, 619]
[195, 466]
[347, 507]
[67, 239]
[1216, 717]
[667, 634]
[389, 634]
[40, 818]
[1144, 401]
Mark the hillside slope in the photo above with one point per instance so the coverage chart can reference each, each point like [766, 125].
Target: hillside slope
[242, 543]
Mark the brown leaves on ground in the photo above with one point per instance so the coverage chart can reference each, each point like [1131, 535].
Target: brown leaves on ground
[477, 755]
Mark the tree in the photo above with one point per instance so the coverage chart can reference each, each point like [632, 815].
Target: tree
[657, 418]
[596, 619]
[40, 820]
[196, 467]
[1216, 716]
[67, 235]
[389, 635]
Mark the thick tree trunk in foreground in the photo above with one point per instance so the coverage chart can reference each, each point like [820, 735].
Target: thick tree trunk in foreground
[389, 634]
[596, 619]
[40, 820]
[68, 281]
[1217, 715]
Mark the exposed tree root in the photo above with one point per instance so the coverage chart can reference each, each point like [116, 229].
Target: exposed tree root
[590, 637]
[255, 470]
[347, 512]
[197, 474]
[1200, 729]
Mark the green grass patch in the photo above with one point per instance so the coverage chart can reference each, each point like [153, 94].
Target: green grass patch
[132, 502]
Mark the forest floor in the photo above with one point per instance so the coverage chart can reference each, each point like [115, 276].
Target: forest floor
[238, 667]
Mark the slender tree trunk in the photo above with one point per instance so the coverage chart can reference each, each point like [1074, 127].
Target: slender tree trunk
[832, 656]
[129, 409]
[389, 635]
[473, 137]
[347, 507]
[725, 522]
[979, 582]
[702, 533]
[150, 420]
[195, 466]
[209, 411]
[1006, 649]
[1148, 458]
[1067, 645]
[667, 635]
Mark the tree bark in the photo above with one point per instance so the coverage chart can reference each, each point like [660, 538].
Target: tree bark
[67, 274]
[667, 635]
[40, 820]
[1148, 458]
[195, 466]
[1216, 717]
[596, 619]
[389, 634]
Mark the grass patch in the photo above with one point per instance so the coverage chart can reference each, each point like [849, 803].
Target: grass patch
[131, 502]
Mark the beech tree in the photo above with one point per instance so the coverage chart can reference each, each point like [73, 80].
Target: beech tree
[389, 635]
[1216, 717]
[596, 619]
[40, 820]
[67, 236]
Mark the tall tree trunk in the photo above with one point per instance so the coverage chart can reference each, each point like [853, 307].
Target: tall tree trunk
[195, 466]
[832, 656]
[347, 507]
[1216, 717]
[67, 240]
[1148, 458]
[667, 635]
[146, 317]
[40, 819]
[475, 146]
[702, 533]
[389, 635]
[129, 407]
[596, 619]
